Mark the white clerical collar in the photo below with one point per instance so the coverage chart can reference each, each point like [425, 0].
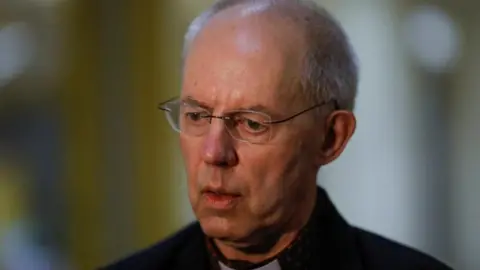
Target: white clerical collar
[273, 265]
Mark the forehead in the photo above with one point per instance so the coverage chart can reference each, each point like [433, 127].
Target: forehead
[243, 59]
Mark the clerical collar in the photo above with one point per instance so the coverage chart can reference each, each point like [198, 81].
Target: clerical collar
[273, 265]
[298, 255]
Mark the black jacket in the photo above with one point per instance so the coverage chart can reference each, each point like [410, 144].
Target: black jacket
[342, 247]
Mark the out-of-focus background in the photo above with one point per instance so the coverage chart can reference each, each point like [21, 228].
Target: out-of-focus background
[90, 170]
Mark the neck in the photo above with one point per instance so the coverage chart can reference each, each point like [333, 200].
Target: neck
[272, 243]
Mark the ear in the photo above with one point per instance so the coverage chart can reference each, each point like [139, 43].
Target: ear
[339, 126]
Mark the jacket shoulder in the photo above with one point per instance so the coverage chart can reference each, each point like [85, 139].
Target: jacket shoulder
[381, 253]
[161, 255]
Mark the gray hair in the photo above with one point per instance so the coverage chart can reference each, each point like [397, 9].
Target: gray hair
[330, 71]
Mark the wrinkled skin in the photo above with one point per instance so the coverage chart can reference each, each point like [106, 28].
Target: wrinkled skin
[244, 60]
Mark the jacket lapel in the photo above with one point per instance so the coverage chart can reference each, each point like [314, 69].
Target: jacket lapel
[335, 238]
[194, 255]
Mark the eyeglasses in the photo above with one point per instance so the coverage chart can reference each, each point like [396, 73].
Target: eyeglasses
[243, 125]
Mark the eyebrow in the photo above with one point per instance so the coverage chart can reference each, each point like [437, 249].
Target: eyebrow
[257, 108]
[191, 101]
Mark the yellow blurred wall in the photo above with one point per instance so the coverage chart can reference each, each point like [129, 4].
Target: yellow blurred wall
[153, 77]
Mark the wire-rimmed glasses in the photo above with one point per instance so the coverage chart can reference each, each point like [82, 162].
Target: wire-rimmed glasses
[244, 125]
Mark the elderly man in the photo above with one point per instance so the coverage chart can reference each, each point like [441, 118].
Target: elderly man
[267, 96]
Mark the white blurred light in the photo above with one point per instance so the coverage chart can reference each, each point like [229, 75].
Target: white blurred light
[16, 51]
[433, 38]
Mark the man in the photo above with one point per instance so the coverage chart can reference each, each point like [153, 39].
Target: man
[267, 96]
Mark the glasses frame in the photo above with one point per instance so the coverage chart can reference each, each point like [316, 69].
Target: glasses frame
[162, 106]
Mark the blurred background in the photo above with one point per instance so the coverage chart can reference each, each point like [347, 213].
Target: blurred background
[90, 170]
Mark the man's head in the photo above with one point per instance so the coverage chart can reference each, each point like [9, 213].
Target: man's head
[249, 176]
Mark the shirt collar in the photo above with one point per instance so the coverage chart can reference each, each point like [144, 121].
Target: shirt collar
[273, 265]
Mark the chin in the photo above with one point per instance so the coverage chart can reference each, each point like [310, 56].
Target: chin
[222, 228]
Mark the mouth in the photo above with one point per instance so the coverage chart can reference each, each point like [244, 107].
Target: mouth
[220, 199]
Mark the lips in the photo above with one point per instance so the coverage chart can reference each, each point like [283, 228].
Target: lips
[219, 196]
[220, 199]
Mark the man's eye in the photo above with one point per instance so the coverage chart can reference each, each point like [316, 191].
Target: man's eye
[194, 116]
[252, 125]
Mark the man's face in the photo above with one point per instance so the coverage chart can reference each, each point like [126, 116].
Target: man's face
[237, 189]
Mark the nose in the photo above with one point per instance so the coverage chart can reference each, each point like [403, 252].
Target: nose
[219, 146]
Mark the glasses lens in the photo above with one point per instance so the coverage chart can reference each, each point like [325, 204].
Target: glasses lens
[194, 121]
[187, 119]
[250, 126]
[171, 110]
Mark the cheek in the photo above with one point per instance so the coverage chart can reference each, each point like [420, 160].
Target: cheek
[190, 148]
[273, 173]
[191, 154]
[270, 164]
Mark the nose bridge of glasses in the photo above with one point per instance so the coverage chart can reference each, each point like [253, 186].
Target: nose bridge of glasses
[219, 117]
[220, 130]
[223, 122]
